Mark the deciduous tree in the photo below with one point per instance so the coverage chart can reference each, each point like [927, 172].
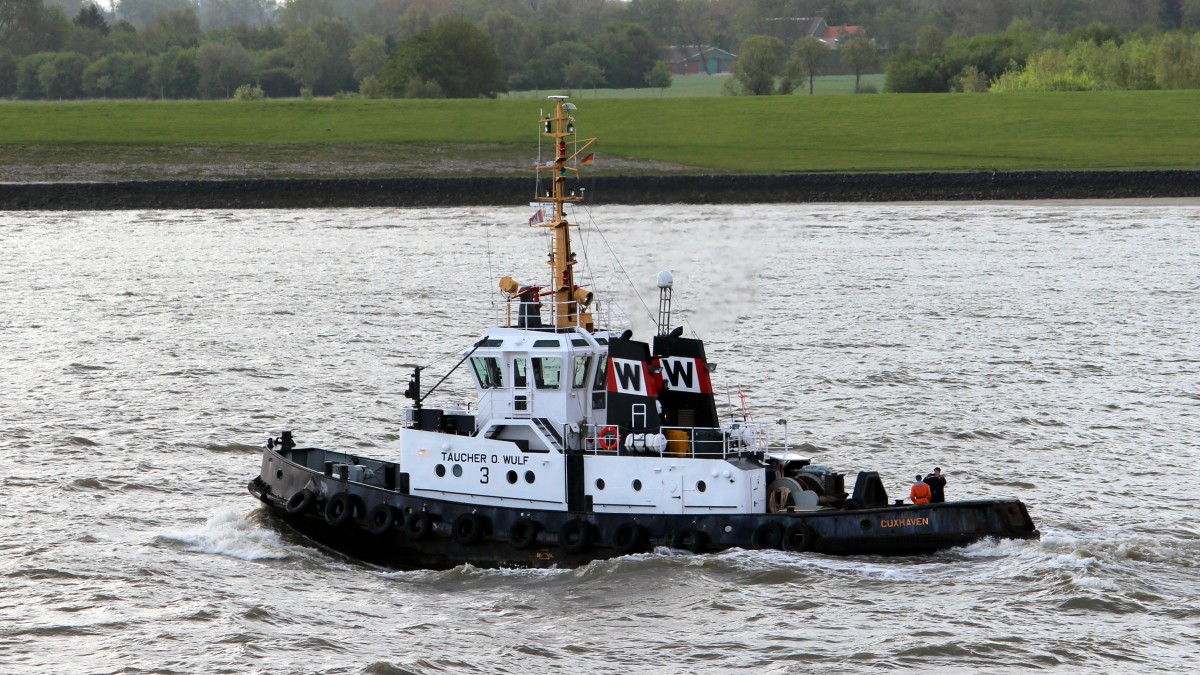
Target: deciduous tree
[759, 62]
[859, 55]
[626, 52]
[307, 54]
[810, 58]
[582, 73]
[547, 68]
[368, 57]
[174, 74]
[120, 75]
[659, 76]
[337, 74]
[222, 68]
[273, 71]
[452, 54]
[26, 26]
[62, 76]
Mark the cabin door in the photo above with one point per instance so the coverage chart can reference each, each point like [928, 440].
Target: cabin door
[522, 402]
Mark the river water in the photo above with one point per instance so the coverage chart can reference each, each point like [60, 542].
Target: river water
[1045, 351]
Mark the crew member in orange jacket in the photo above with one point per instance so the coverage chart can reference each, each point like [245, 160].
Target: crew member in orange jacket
[919, 493]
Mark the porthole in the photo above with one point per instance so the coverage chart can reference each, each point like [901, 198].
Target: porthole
[279, 474]
[529, 477]
[637, 485]
[599, 483]
[701, 486]
[456, 470]
[440, 470]
[864, 524]
[512, 477]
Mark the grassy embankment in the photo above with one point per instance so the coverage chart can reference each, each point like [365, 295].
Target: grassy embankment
[326, 138]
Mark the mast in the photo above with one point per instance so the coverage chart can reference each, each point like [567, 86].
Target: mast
[570, 301]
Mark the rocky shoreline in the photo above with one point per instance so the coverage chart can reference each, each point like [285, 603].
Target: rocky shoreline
[695, 189]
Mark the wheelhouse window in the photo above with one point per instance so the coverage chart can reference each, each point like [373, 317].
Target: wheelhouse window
[547, 372]
[487, 371]
[601, 382]
[580, 372]
[520, 374]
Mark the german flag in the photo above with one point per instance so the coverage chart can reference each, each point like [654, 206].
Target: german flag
[589, 160]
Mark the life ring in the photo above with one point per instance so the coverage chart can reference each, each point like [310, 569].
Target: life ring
[301, 503]
[628, 537]
[575, 536]
[523, 533]
[797, 537]
[419, 526]
[769, 535]
[610, 439]
[691, 540]
[380, 519]
[469, 528]
[340, 509]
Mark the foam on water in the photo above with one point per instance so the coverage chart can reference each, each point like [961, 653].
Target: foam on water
[229, 533]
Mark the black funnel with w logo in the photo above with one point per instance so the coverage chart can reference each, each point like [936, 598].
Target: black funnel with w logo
[685, 389]
[632, 390]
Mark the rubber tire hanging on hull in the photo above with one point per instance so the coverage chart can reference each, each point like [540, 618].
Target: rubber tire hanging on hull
[340, 509]
[797, 537]
[629, 537]
[575, 536]
[380, 519]
[523, 534]
[690, 540]
[768, 536]
[419, 526]
[469, 529]
[301, 503]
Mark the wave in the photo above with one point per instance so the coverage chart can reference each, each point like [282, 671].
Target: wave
[228, 533]
[44, 573]
[85, 484]
[232, 447]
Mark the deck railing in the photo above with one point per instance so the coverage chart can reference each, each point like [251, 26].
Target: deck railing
[701, 442]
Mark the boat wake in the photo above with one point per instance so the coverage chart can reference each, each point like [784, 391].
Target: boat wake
[229, 533]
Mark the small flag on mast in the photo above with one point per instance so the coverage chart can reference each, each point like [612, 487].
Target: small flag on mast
[589, 160]
[536, 217]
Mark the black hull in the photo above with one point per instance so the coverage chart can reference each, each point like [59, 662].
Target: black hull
[436, 534]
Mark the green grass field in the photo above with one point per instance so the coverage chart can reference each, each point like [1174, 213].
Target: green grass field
[693, 86]
[799, 133]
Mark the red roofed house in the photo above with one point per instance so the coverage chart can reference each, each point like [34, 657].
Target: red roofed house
[835, 36]
[841, 33]
[793, 29]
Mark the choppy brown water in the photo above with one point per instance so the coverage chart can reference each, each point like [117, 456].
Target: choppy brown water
[1049, 352]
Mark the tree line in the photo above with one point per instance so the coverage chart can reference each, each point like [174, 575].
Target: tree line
[60, 49]
[1091, 57]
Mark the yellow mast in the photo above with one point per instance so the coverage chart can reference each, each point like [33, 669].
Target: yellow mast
[570, 301]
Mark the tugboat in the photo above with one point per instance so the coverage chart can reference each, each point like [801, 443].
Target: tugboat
[586, 444]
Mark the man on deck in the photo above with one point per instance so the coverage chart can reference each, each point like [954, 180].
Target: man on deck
[937, 486]
[919, 492]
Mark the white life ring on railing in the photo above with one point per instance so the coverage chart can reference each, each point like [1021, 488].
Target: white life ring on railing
[609, 439]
